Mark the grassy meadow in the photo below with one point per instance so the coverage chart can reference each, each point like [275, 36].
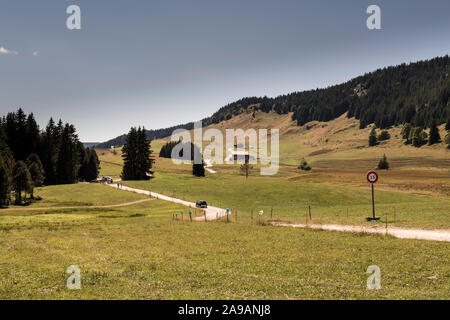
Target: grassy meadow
[129, 247]
[289, 199]
[414, 193]
[81, 194]
[139, 252]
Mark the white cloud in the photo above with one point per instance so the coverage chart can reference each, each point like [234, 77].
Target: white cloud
[36, 53]
[6, 51]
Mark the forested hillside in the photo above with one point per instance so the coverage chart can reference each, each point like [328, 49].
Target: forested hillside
[416, 93]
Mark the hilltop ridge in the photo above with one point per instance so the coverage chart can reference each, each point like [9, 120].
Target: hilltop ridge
[417, 93]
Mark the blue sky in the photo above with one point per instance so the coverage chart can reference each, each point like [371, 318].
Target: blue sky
[161, 63]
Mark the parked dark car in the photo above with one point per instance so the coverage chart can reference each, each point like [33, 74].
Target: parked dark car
[107, 179]
[201, 204]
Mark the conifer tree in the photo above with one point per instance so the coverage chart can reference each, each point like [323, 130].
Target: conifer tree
[21, 180]
[67, 164]
[406, 131]
[36, 172]
[383, 164]
[31, 136]
[90, 166]
[136, 154]
[93, 165]
[5, 183]
[434, 134]
[417, 137]
[373, 138]
[447, 139]
[198, 169]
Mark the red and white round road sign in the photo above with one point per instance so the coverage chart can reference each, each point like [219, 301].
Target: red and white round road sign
[372, 177]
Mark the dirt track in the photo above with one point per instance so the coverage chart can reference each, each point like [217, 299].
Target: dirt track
[436, 235]
[76, 207]
[211, 213]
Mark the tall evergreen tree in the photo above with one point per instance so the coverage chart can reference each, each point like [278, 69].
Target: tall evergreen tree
[129, 155]
[90, 166]
[373, 138]
[136, 156]
[36, 172]
[21, 180]
[67, 164]
[145, 159]
[49, 152]
[5, 183]
[406, 131]
[198, 169]
[434, 134]
[93, 165]
[417, 137]
[31, 137]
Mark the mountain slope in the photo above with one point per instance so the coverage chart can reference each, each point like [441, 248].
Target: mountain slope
[417, 93]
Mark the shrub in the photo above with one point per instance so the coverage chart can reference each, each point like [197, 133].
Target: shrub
[384, 135]
[304, 165]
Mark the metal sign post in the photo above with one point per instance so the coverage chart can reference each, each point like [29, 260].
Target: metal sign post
[372, 178]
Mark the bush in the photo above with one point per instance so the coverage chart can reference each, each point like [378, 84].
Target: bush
[384, 135]
[304, 165]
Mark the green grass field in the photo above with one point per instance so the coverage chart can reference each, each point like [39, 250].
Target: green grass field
[290, 198]
[139, 252]
[80, 194]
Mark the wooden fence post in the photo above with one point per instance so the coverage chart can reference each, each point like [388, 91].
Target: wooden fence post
[306, 215]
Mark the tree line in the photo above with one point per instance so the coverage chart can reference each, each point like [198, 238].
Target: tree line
[416, 93]
[415, 136]
[30, 157]
[166, 149]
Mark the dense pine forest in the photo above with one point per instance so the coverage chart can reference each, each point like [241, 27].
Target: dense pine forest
[416, 93]
[30, 157]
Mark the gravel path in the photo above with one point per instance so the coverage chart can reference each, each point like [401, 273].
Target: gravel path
[75, 207]
[436, 235]
[212, 213]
